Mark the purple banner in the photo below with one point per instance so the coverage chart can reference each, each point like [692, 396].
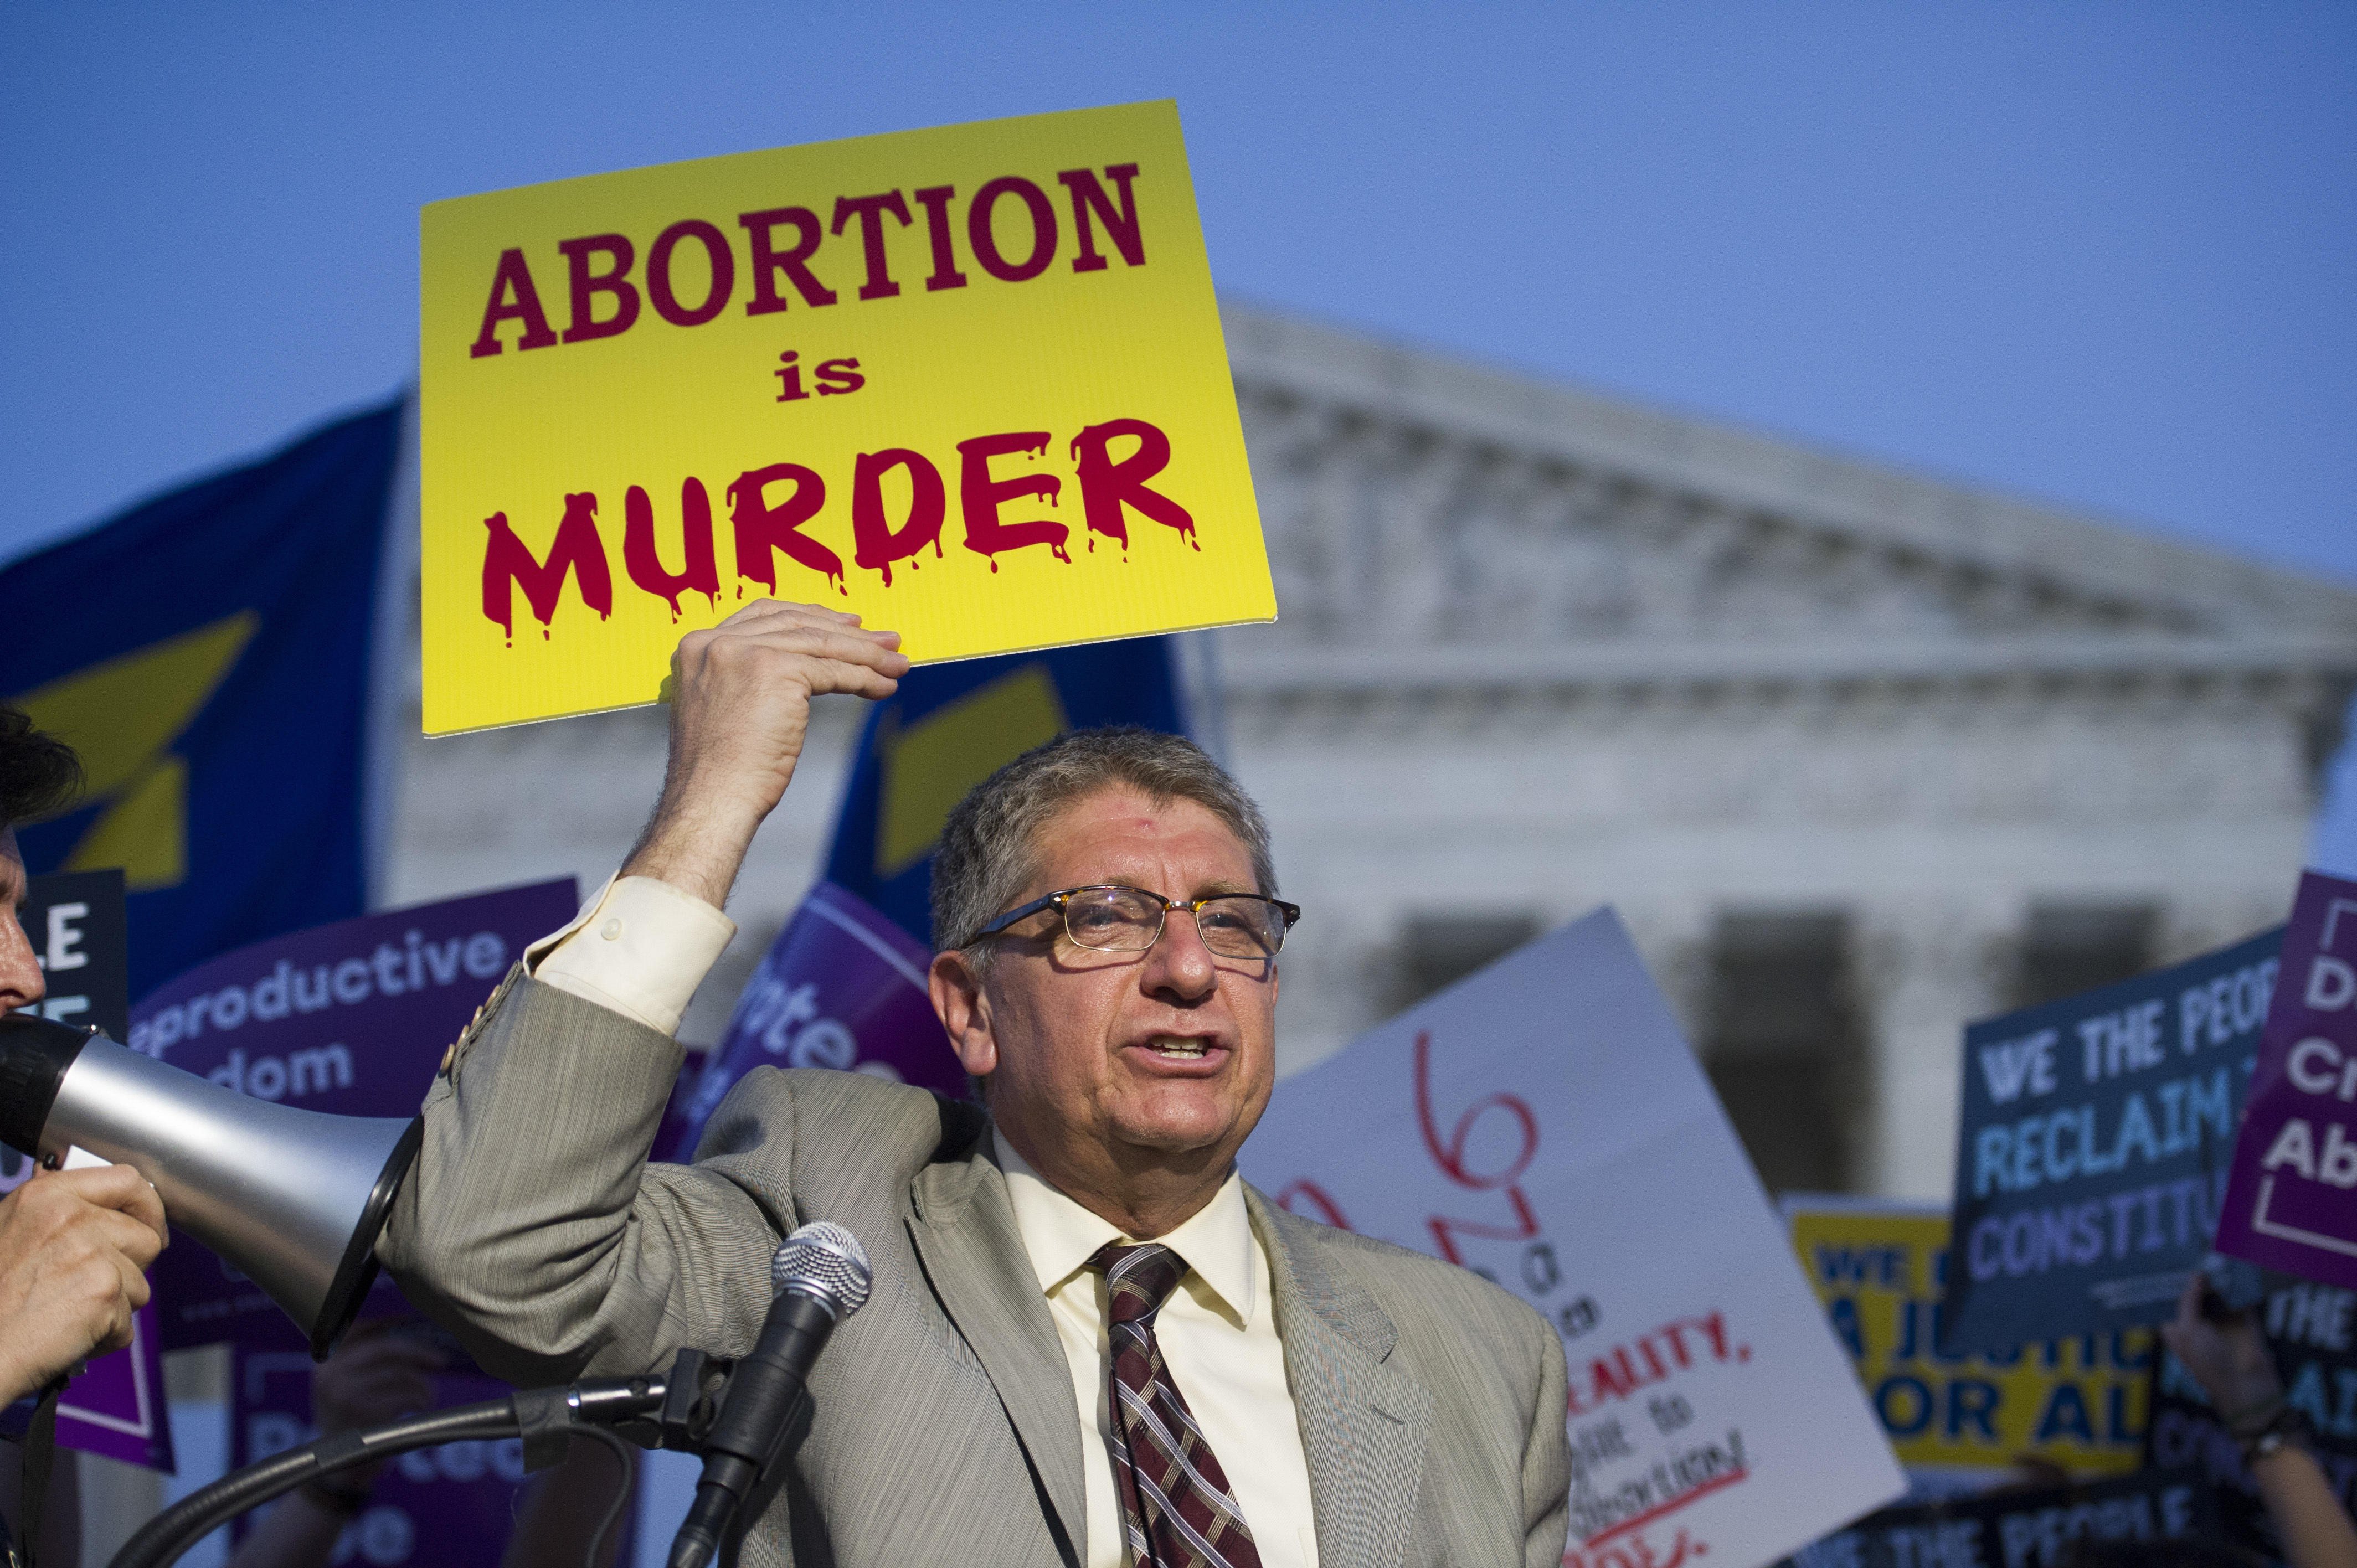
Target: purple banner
[2289, 1201]
[349, 1018]
[841, 987]
[450, 1507]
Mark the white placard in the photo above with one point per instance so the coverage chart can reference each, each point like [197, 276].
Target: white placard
[1544, 1123]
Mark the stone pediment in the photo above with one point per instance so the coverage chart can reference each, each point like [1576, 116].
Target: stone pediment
[1433, 522]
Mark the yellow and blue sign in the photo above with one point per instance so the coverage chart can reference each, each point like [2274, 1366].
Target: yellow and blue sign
[1880, 1268]
[867, 373]
[949, 728]
[208, 655]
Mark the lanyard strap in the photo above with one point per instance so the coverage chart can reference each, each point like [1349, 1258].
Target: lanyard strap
[40, 1448]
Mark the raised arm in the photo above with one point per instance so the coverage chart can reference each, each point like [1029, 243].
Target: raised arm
[740, 714]
[532, 1224]
[2229, 1357]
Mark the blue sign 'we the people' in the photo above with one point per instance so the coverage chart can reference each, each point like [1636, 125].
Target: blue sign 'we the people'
[2094, 1149]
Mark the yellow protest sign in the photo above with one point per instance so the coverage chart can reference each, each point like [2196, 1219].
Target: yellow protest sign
[2079, 1403]
[968, 382]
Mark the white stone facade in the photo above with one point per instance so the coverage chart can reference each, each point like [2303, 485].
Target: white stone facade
[1541, 650]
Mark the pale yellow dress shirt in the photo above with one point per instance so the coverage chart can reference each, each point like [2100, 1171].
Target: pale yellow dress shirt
[1217, 1334]
[640, 947]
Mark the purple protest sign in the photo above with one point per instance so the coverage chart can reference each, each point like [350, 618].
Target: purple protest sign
[349, 1018]
[843, 986]
[2289, 1201]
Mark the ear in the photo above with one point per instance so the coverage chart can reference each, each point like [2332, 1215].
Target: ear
[963, 1008]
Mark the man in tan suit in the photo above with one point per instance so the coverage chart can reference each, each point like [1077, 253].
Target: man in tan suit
[1089, 1344]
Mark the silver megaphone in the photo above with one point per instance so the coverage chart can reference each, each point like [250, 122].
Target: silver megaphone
[293, 1199]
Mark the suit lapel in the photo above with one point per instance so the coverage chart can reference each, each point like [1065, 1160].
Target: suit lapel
[1364, 1424]
[965, 1231]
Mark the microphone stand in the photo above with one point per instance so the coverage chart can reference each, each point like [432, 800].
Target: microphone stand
[674, 1412]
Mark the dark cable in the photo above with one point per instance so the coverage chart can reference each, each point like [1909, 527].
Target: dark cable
[161, 1542]
[621, 1494]
[162, 1539]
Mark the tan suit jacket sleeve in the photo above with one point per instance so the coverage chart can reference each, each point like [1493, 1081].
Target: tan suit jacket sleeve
[1546, 1460]
[531, 1225]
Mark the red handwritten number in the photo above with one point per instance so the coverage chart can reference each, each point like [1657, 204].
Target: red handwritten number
[1318, 1198]
[1451, 1157]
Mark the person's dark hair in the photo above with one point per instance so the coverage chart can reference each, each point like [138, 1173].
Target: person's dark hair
[989, 845]
[38, 773]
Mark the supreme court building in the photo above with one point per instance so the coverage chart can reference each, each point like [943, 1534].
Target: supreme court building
[1857, 756]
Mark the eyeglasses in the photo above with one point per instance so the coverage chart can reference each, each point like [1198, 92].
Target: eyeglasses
[1129, 919]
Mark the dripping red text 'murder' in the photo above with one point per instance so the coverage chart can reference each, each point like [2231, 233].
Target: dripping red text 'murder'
[771, 508]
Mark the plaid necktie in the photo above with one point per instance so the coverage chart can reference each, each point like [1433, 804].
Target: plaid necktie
[1174, 1496]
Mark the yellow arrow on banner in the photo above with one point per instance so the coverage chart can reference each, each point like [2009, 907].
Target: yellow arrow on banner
[931, 765]
[122, 716]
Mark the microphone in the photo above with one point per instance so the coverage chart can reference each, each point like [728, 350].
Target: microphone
[820, 1276]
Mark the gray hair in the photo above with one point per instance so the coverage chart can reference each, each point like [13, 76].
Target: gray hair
[989, 849]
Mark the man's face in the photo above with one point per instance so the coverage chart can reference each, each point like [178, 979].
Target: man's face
[21, 983]
[1119, 1061]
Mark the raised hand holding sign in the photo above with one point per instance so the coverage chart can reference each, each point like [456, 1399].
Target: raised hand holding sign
[739, 713]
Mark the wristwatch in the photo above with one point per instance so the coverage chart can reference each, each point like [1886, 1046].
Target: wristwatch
[2285, 1425]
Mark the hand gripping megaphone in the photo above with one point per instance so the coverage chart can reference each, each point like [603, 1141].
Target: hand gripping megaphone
[293, 1199]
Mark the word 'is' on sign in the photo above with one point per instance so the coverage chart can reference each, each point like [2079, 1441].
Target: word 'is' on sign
[911, 371]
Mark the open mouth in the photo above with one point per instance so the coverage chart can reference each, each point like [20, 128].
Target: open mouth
[1179, 1048]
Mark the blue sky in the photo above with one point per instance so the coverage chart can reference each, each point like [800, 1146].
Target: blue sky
[2100, 255]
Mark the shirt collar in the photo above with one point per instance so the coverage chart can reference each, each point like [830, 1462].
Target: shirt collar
[1061, 1236]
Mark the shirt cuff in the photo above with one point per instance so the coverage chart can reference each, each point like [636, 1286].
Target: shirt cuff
[639, 947]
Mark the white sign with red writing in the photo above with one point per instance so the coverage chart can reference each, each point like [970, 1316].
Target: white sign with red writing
[1544, 1124]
